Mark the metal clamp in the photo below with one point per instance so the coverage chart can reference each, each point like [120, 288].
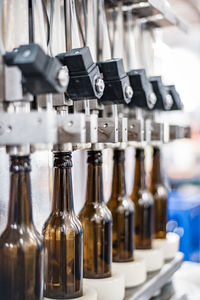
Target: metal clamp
[154, 131]
[28, 128]
[108, 130]
[71, 128]
[135, 131]
[176, 132]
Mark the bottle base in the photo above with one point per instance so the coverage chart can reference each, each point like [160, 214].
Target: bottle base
[169, 246]
[153, 258]
[134, 272]
[108, 288]
[89, 293]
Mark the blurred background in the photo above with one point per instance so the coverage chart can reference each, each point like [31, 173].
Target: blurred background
[180, 56]
[180, 59]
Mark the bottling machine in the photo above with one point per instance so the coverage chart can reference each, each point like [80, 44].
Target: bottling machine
[77, 76]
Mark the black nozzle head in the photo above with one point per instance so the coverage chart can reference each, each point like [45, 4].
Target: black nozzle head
[112, 69]
[143, 96]
[78, 60]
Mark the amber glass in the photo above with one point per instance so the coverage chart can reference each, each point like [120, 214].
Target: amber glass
[144, 204]
[122, 209]
[21, 249]
[97, 223]
[63, 237]
[159, 193]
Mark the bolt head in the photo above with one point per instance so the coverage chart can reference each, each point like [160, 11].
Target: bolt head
[27, 53]
[152, 99]
[128, 92]
[63, 76]
[168, 101]
[99, 85]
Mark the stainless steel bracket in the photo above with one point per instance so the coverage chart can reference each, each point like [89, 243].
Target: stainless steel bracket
[27, 128]
[41, 128]
[176, 132]
[108, 130]
[71, 128]
[154, 131]
[57, 100]
[135, 130]
[187, 132]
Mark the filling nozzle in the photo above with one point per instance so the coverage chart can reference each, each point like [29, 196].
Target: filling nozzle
[138, 89]
[85, 88]
[118, 91]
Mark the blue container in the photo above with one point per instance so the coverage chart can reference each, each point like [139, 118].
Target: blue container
[184, 219]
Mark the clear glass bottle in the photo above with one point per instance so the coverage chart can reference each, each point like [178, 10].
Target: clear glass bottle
[21, 248]
[144, 204]
[159, 193]
[63, 237]
[122, 209]
[97, 223]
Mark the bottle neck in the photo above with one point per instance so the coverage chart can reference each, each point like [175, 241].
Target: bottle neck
[95, 178]
[20, 206]
[156, 177]
[62, 191]
[140, 176]
[118, 183]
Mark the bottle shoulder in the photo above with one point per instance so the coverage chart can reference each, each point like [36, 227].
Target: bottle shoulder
[20, 237]
[121, 204]
[143, 197]
[159, 190]
[96, 212]
[63, 222]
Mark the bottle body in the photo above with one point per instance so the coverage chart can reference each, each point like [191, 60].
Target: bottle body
[159, 193]
[97, 223]
[144, 205]
[143, 219]
[21, 248]
[122, 209]
[63, 237]
[97, 227]
[21, 271]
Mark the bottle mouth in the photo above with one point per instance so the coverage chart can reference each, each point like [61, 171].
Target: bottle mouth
[156, 150]
[95, 157]
[62, 159]
[20, 163]
[119, 155]
[139, 152]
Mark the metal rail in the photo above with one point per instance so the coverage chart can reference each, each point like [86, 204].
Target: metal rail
[155, 280]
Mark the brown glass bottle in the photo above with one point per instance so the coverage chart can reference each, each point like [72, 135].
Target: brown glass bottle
[143, 201]
[63, 237]
[97, 223]
[122, 209]
[21, 249]
[159, 193]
